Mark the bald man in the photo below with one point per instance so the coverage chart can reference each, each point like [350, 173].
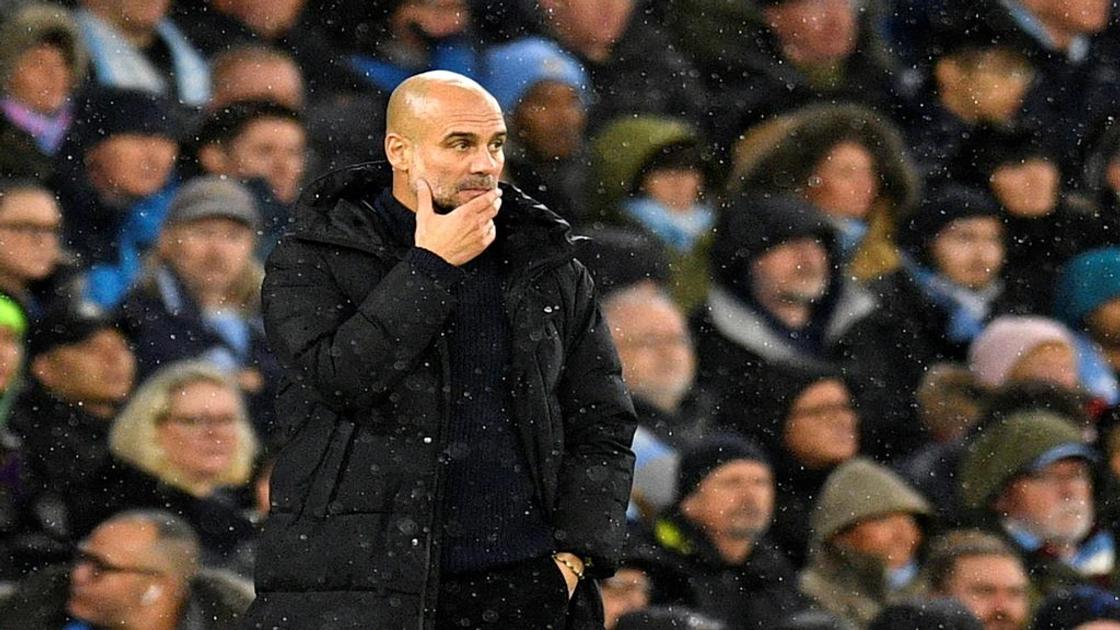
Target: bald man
[459, 431]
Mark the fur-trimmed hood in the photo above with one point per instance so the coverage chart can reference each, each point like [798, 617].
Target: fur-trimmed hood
[35, 23]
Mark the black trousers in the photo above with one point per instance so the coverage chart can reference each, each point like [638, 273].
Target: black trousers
[529, 595]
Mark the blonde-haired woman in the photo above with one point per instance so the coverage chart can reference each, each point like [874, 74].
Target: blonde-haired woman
[184, 442]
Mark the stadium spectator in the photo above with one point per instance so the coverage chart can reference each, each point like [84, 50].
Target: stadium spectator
[982, 572]
[255, 72]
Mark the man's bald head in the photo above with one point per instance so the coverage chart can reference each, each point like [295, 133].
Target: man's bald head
[419, 98]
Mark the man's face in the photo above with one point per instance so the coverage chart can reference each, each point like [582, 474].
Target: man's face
[210, 253]
[268, 18]
[198, 434]
[994, 82]
[1055, 503]
[30, 223]
[970, 252]
[459, 149]
[734, 501]
[131, 166]
[814, 31]
[41, 78]
[893, 538]
[993, 588]
[1104, 323]
[1029, 189]
[550, 120]
[132, 15]
[1052, 362]
[654, 347]
[678, 189]
[845, 183]
[11, 356]
[113, 569]
[822, 429]
[277, 80]
[98, 370]
[274, 149]
[795, 272]
[437, 19]
[1082, 17]
[589, 23]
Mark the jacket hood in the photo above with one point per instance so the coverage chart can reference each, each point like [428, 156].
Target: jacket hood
[626, 145]
[35, 23]
[337, 208]
[779, 156]
[860, 489]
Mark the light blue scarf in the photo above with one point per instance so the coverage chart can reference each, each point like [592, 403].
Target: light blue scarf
[679, 230]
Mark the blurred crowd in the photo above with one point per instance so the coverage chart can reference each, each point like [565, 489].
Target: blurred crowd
[860, 259]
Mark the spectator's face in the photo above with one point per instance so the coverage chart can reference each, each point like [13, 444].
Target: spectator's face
[970, 252]
[268, 18]
[1104, 323]
[41, 79]
[114, 568]
[735, 501]
[98, 370]
[459, 149]
[991, 85]
[277, 80]
[11, 356]
[1029, 189]
[626, 591]
[198, 435]
[1082, 17]
[1100, 624]
[656, 352]
[678, 189]
[208, 254]
[814, 31]
[589, 24]
[131, 15]
[437, 19]
[822, 429]
[845, 183]
[550, 120]
[131, 166]
[30, 223]
[1055, 503]
[1048, 363]
[993, 588]
[893, 538]
[274, 149]
[794, 272]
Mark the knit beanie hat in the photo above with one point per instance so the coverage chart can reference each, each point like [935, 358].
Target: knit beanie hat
[860, 489]
[1008, 339]
[108, 111]
[1086, 283]
[942, 613]
[620, 257]
[941, 207]
[1076, 607]
[989, 148]
[514, 68]
[1019, 444]
[700, 460]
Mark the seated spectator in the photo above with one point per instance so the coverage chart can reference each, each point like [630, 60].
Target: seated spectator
[1029, 478]
[183, 443]
[255, 72]
[1045, 226]
[138, 570]
[865, 539]
[200, 294]
[848, 161]
[41, 65]
[929, 614]
[1020, 348]
[262, 144]
[713, 540]
[667, 618]
[544, 93]
[659, 367]
[651, 175]
[134, 45]
[407, 37]
[1087, 300]
[115, 175]
[982, 572]
[80, 371]
[634, 68]
[1080, 608]
[30, 256]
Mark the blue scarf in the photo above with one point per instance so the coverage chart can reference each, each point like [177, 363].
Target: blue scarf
[679, 230]
[968, 309]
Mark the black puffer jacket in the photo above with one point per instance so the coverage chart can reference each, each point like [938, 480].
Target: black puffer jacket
[353, 540]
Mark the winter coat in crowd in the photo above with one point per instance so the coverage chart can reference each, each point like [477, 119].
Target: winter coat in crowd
[757, 593]
[781, 155]
[216, 602]
[853, 585]
[359, 330]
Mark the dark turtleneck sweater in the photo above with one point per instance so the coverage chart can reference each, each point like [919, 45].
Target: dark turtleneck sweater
[491, 516]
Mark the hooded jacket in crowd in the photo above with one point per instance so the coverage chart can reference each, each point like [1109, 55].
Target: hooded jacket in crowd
[358, 329]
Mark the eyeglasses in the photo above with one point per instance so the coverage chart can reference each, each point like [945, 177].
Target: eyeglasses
[32, 229]
[99, 567]
[216, 421]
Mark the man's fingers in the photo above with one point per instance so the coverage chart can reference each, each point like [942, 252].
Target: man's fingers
[482, 203]
[424, 198]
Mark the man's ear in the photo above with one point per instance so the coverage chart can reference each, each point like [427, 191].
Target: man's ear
[947, 73]
[213, 160]
[398, 150]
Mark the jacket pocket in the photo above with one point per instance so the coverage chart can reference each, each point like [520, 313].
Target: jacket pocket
[326, 476]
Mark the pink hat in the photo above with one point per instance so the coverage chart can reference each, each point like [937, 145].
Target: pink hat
[1009, 338]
